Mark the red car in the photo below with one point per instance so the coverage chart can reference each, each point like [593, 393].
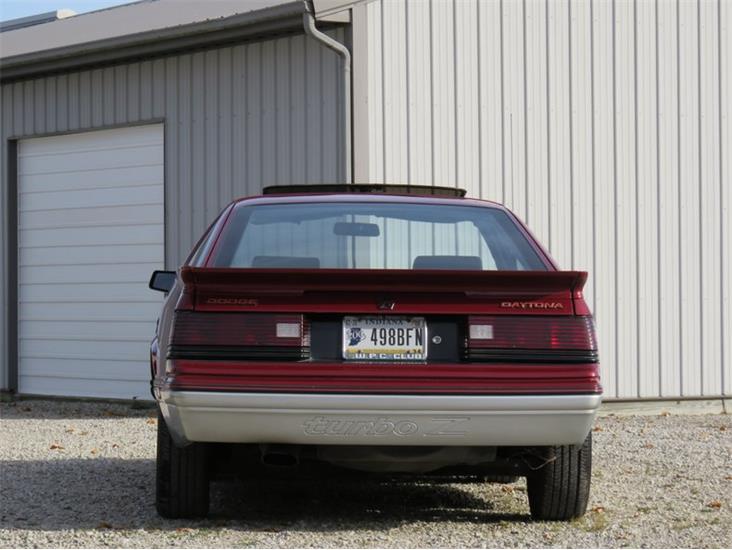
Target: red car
[395, 329]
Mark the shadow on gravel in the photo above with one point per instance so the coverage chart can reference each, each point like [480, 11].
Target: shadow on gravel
[32, 409]
[118, 494]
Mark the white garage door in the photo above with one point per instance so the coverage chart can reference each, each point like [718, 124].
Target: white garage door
[90, 231]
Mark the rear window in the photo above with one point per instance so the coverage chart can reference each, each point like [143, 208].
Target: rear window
[374, 236]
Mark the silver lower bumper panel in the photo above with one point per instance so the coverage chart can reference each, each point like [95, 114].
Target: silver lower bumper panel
[327, 419]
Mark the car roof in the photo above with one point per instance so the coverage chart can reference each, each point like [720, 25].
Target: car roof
[306, 198]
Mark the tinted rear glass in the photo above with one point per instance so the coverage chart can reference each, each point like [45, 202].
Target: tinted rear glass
[374, 236]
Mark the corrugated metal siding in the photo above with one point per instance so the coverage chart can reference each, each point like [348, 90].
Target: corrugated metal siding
[607, 127]
[236, 119]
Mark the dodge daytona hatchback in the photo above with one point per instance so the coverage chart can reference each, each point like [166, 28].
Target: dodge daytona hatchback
[365, 328]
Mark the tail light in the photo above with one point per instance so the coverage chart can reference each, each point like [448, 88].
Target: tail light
[535, 338]
[208, 335]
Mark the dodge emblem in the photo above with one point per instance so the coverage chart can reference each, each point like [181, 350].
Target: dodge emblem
[387, 304]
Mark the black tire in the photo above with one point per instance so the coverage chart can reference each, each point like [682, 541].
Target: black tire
[181, 477]
[560, 489]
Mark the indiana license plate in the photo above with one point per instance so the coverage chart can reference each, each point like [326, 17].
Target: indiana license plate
[385, 338]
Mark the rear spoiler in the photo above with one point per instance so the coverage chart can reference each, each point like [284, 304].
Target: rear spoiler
[297, 281]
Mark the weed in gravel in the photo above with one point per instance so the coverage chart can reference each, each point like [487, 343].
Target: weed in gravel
[593, 522]
[682, 524]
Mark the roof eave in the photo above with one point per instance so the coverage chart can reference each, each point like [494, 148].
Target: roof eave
[238, 28]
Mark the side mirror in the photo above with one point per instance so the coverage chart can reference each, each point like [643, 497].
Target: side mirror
[162, 281]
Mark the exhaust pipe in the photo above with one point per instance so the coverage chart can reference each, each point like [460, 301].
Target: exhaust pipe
[282, 456]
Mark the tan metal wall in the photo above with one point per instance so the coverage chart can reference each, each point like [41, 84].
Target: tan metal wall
[607, 127]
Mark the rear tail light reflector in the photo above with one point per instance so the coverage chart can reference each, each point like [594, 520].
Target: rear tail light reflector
[288, 330]
[545, 332]
[239, 329]
[481, 332]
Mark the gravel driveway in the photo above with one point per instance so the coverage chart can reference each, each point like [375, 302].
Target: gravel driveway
[82, 474]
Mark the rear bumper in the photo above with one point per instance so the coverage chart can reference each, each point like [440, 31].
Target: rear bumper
[351, 419]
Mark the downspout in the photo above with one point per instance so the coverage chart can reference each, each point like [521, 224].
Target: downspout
[311, 30]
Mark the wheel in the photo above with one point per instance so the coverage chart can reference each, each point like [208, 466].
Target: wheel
[181, 477]
[560, 489]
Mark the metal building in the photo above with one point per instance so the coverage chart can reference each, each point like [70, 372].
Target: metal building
[605, 125]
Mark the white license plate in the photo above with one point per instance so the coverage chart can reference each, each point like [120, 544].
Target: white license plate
[385, 338]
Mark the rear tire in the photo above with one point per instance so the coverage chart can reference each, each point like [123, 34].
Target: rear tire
[560, 489]
[182, 481]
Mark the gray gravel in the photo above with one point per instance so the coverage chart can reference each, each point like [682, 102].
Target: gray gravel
[82, 474]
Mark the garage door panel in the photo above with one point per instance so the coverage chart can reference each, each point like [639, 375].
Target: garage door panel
[127, 177]
[94, 330]
[94, 255]
[91, 230]
[70, 349]
[80, 236]
[94, 311]
[99, 367]
[98, 139]
[83, 387]
[73, 292]
[92, 198]
[91, 143]
[125, 273]
[89, 217]
[100, 159]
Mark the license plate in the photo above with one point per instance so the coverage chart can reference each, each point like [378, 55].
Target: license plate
[385, 338]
